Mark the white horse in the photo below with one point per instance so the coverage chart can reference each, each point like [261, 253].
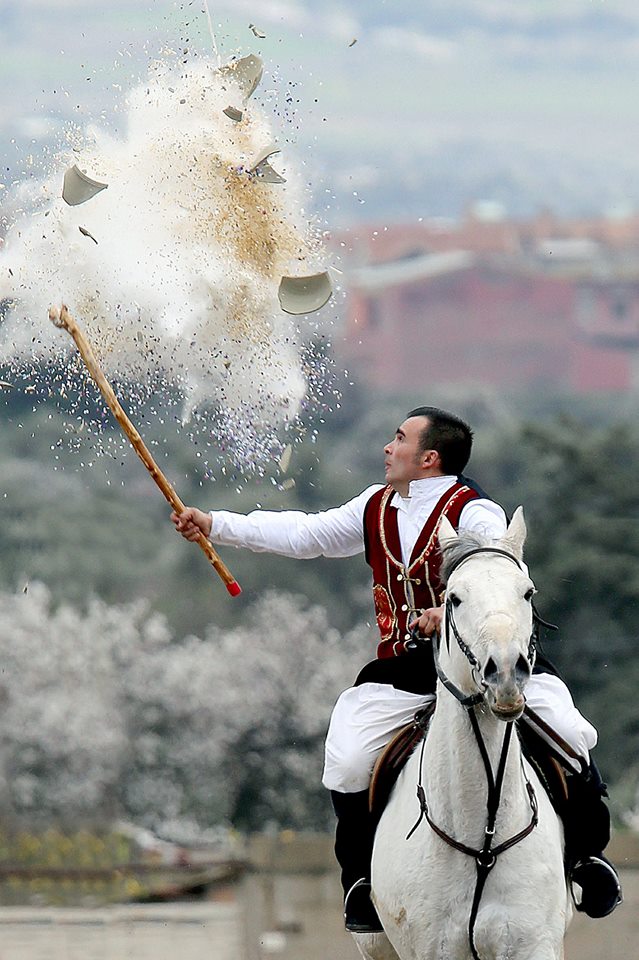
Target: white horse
[481, 876]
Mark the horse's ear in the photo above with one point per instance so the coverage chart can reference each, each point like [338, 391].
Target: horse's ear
[516, 533]
[446, 533]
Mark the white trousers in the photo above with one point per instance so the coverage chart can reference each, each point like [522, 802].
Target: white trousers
[365, 718]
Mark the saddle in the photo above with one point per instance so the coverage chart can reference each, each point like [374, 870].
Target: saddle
[392, 759]
[542, 747]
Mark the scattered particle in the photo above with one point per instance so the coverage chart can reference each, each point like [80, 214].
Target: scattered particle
[85, 233]
[353, 42]
[285, 459]
[233, 113]
[256, 32]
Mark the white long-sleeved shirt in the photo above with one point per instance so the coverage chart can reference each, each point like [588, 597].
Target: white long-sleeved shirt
[340, 532]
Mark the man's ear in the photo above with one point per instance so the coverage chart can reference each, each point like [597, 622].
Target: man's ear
[431, 458]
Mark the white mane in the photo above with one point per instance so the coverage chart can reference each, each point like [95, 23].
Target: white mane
[454, 551]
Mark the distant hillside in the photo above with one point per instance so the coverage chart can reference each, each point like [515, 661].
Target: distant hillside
[531, 104]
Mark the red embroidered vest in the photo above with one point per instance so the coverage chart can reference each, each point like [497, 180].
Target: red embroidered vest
[399, 591]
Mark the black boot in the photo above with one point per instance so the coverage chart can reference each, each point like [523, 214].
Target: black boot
[354, 836]
[600, 886]
[587, 832]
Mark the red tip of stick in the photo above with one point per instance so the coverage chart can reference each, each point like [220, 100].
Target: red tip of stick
[234, 588]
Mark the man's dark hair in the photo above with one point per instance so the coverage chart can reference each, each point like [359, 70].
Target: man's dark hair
[449, 435]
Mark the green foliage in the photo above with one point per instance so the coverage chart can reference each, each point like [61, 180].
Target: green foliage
[578, 486]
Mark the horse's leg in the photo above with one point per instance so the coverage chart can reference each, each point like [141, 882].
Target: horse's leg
[374, 946]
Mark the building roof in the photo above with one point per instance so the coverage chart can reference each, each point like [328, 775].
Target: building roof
[375, 277]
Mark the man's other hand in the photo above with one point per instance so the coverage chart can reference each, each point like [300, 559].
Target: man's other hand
[191, 523]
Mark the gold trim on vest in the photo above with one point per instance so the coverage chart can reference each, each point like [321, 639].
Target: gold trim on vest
[433, 537]
[406, 571]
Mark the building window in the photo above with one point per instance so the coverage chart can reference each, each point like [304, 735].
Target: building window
[585, 307]
[620, 306]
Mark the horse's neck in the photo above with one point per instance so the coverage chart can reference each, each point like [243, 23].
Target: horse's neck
[455, 776]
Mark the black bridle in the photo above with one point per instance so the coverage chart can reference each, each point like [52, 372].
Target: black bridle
[451, 627]
[485, 856]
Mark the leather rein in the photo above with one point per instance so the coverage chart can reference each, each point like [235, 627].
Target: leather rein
[485, 856]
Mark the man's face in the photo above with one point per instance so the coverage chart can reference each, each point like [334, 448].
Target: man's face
[403, 461]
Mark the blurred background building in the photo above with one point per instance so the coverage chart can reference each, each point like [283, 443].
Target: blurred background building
[545, 303]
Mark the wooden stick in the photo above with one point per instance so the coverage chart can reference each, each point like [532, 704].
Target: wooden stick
[63, 319]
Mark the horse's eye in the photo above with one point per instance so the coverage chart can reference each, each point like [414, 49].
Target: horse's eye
[454, 599]
[529, 594]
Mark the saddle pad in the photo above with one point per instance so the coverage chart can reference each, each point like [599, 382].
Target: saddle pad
[390, 762]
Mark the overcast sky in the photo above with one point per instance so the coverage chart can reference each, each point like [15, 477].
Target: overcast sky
[439, 102]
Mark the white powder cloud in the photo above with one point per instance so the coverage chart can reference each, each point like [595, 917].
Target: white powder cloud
[190, 250]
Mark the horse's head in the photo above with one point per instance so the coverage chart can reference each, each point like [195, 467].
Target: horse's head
[488, 624]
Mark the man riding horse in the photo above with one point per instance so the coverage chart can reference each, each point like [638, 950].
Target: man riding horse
[396, 525]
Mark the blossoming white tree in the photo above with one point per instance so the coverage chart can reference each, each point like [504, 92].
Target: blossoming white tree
[105, 713]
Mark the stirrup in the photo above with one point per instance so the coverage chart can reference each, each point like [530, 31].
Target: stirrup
[360, 915]
[600, 887]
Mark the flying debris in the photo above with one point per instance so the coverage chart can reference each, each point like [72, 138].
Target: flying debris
[220, 345]
[85, 233]
[233, 113]
[78, 188]
[246, 73]
[353, 42]
[256, 32]
[300, 295]
[5, 383]
[285, 459]
[262, 169]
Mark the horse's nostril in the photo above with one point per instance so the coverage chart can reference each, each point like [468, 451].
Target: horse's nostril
[490, 670]
[522, 668]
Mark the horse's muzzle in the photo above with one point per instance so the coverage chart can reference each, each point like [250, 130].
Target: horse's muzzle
[505, 688]
[508, 711]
